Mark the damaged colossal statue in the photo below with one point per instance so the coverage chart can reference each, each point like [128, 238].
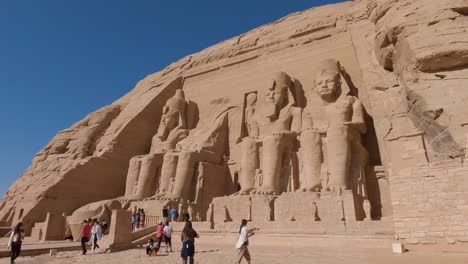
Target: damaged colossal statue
[142, 175]
[167, 171]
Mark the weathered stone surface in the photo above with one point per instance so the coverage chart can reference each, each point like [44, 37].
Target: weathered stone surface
[327, 117]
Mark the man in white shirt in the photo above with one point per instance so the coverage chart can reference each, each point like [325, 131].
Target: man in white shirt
[96, 234]
[167, 237]
[243, 242]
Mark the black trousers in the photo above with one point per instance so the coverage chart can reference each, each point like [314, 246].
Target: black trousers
[83, 244]
[190, 260]
[15, 251]
[95, 245]
[158, 245]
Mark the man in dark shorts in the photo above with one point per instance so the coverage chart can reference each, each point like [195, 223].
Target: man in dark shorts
[165, 214]
[167, 237]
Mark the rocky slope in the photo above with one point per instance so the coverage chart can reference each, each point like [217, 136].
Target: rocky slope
[413, 59]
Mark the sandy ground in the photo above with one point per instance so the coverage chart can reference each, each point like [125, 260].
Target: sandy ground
[219, 249]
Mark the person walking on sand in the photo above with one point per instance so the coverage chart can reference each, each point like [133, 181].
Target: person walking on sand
[84, 235]
[14, 244]
[159, 235]
[96, 234]
[188, 236]
[243, 242]
[167, 237]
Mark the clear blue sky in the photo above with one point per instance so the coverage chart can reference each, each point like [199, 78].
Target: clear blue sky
[60, 60]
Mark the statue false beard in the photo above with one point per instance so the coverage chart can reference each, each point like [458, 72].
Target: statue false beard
[163, 133]
[271, 111]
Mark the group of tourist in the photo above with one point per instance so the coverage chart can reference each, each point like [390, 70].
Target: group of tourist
[138, 219]
[164, 233]
[174, 215]
[91, 231]
[188, 235]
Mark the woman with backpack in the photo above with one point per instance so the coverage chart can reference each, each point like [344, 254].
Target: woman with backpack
[16, 239]
[188, 236]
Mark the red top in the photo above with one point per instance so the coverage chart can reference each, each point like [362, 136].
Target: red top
[159, 231]
[86, 230]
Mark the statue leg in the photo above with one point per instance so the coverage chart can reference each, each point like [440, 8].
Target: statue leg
[248, 163]
[339, 155]
[184, 175]
[272, 162]
[147, 181]
[132, 176]
[312, 160]
[168, 171]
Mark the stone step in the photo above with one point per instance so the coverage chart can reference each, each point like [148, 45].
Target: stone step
[42, 248]
[4, 231]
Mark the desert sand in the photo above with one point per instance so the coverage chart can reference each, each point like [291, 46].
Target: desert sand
[219, 249]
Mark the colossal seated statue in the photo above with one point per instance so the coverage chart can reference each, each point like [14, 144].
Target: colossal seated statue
[142, 172]
[341, 128]
[271, 123]
[205, 146]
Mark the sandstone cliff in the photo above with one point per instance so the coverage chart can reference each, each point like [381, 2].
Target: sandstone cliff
[408, 60]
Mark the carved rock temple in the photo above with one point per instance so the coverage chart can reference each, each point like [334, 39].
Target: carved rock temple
[342, 119]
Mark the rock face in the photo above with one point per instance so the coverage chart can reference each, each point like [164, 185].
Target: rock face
[364, 99]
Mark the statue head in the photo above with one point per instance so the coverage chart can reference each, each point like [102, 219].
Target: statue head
[277, 95]
[328, 80]
[173, 114]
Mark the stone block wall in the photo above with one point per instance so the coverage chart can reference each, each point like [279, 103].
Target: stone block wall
[430, 201]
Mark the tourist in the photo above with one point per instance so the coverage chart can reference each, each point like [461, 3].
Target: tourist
[188, 236]
[159, 234]
[174, 214]
[137, 223]
[104, 226]
[186, 216]
[134, 222]
[150, 247]
[16, 239]
[190, 212]
[96, 234]
[243, 242]
[165, 213]
[84, 235]
[167, 237]
[142, 218]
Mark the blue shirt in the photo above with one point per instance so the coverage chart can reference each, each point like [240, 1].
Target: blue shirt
[173, 212]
